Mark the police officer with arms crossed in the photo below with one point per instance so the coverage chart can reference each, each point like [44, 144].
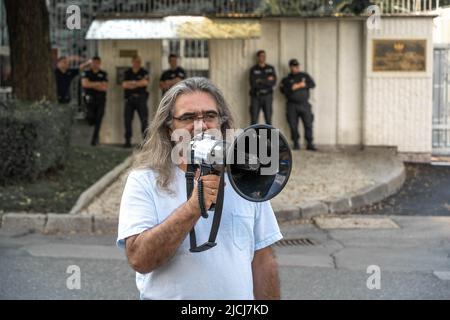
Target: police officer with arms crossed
[95, 83]
[64, 76]
[296, 89]
[135, 84]
[171, 76]
[262, 80]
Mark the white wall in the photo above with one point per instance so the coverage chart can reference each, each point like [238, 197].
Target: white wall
[113, 128]
[320, 45]
[230, 61]
[352, 104]
[350, 85]
[398, 106]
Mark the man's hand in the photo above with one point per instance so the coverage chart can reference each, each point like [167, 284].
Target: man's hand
[100, 86]
[134, 84]
[152, 248]
[174, 81]
[299, 85]
[130, 84]
[270, 78]
[210, 190]
[85, 64]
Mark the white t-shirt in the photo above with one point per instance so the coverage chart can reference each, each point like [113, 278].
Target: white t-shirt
[223, 272]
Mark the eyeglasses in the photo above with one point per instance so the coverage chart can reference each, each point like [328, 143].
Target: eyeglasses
[188, 118]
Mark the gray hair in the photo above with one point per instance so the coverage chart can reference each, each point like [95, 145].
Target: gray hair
[155, 151]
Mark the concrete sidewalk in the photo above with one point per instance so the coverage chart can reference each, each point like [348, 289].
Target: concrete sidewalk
[321, 183]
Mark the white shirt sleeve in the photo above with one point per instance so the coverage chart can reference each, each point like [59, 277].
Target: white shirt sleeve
[266, 229]
[137, 207]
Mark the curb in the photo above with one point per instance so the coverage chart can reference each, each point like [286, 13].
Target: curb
[56, 223]
[365, 196]
[88, 195]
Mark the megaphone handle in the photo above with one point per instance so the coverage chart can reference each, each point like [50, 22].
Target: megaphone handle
[215, 223]
[201, 199]
[206, 170]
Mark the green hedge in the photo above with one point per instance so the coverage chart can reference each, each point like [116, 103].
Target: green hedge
[34, 137]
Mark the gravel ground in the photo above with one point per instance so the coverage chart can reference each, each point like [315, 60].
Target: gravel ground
[107, 204]
[315, 176]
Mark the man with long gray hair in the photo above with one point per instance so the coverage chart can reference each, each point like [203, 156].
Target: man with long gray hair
[156, 216]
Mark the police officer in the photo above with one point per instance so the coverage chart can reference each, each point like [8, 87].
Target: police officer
[171, 76]
[135, 84]
[64, 76]
[262, 80]
[95, 83]
[296, 89]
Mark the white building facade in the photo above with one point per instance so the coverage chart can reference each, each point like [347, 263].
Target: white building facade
[355, 104]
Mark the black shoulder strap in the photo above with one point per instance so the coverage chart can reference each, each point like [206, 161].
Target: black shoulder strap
[218, 209]
[190, 174]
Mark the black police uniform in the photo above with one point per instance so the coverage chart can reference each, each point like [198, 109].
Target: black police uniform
[297, 105]
[95, 101]
[172, 74]
[63, 80]
[261, 92]
[135, 99]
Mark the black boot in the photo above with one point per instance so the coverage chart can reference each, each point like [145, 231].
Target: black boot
[296, 145]
[311, 147]
[94, 142]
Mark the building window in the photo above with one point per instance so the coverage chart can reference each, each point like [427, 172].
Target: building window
[197, 73]
[196, 49]
[174, 47]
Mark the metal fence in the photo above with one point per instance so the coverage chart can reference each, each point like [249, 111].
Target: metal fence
[259, 7]
[179, 6]
[441, 100]
[193, 54]
[406, 6]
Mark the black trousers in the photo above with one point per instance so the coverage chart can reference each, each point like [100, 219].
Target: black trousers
[263, 102]
[95, 112]
[303, 110]
[139, 104]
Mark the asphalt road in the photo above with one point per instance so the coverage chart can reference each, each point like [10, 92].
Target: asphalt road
[413, 262]
[426, 191]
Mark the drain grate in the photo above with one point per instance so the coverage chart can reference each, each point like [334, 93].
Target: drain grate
[296, 242]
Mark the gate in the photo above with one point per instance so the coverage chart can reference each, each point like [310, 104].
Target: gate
[441, 100]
